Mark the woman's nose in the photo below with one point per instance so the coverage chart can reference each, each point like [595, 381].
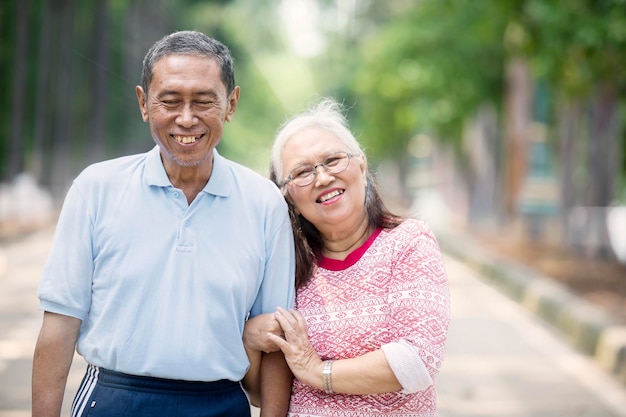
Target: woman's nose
[322, 176]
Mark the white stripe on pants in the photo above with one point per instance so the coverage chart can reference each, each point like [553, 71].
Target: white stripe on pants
[84, 391]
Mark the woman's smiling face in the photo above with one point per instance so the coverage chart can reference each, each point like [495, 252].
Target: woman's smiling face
[331, 200]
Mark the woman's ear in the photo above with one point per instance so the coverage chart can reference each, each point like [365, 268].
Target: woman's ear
[292, 206]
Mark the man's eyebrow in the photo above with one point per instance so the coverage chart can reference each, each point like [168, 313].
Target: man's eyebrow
[168, 93]
[209, 93]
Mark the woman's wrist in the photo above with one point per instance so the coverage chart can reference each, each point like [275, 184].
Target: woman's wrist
[312, 375]
[327, 374]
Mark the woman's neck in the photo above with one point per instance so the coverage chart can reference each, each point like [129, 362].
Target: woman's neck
[340, 247]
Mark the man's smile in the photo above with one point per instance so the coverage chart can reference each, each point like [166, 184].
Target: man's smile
[186, 139]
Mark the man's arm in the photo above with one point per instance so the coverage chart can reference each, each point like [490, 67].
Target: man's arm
[53, 356]
[276, 381]
[251, 381]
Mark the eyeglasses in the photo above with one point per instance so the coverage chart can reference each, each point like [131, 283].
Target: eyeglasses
[305, 174]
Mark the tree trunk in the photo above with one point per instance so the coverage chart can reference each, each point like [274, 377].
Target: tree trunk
[604, 159]
[18, 98]
[99, 83]
[604, 156]
[570, 153]
[480, 144]
[41, 140]
[518, 113]
[62, 139]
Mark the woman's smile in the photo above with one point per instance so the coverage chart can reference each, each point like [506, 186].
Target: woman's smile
[328, 196]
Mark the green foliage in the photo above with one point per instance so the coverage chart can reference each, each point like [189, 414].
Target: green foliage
[429, 67]
[579, 43]
[402, 68]
[7, 46]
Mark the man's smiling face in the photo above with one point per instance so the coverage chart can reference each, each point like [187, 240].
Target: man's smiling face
[186, 106]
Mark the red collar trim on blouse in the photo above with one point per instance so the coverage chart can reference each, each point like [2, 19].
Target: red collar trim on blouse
[352, 258]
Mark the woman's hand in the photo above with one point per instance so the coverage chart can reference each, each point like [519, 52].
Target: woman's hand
[302, 359]
[256, 330]
[369, 373]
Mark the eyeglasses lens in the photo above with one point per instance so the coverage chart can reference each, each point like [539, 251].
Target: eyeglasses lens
[336, 163]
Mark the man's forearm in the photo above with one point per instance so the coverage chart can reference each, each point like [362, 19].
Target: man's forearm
[48, 390]
[276, 379]
[251, 381]
[52, 359]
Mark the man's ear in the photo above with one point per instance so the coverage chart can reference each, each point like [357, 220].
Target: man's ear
[233, 99]
[141, 99]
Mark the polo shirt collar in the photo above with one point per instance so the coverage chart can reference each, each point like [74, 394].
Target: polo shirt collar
[221, 180]
[219, 184]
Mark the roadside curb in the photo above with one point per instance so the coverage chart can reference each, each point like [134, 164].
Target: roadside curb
[586, 327]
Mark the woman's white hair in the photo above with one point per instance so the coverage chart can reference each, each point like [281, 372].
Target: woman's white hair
[325, 114]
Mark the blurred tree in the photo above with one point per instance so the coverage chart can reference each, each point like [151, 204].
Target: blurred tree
[431, 66]
[404, 68]
[35, 162]
[580, 46]
[18, 91]
[75, 64]
[63, 70]
[99, 80]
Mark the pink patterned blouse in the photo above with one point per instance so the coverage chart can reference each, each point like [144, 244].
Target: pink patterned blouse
[392, 293]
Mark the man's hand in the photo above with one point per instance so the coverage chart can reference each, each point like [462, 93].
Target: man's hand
[255, 333]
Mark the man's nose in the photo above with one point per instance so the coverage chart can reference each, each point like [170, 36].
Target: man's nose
[187, 117]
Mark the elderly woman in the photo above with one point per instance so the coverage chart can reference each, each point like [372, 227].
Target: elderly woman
[368, 333]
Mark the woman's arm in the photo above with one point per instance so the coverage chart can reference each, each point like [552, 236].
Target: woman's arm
[366, 374]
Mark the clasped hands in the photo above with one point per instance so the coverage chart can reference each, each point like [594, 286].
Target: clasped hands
[284, 330]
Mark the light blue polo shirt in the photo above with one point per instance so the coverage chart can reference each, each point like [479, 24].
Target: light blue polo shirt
[162, 287]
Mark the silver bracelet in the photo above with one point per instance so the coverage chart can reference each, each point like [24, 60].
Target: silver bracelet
[327, 377]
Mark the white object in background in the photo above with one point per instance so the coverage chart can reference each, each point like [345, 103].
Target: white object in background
[616, 224]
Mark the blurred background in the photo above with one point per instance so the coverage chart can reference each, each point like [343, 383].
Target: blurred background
[500, 122]
[501, 117]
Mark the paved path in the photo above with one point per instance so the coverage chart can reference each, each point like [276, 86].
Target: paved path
[500, 361]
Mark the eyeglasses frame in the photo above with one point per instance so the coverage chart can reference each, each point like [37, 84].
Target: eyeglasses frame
[289, 179]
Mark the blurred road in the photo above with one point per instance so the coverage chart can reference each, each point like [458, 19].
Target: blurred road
[500, 362]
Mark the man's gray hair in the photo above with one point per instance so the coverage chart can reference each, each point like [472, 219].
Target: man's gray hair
[189, 43]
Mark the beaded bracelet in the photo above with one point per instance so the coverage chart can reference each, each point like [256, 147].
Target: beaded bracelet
[326, 377]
